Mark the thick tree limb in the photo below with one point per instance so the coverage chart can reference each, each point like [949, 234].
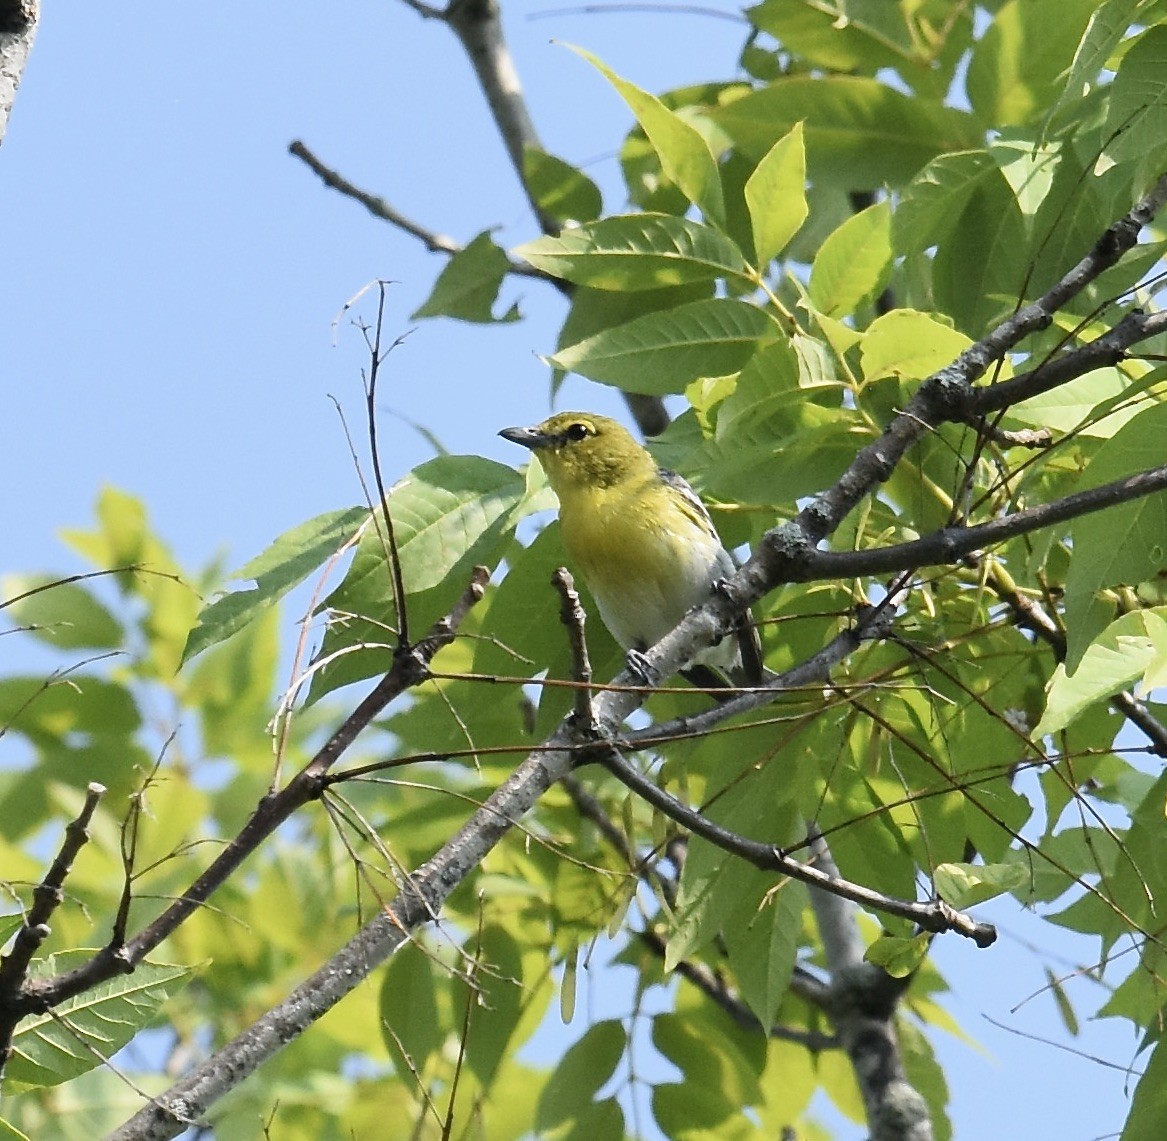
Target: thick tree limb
[18, 23]
[478, 26]
[862, 1002]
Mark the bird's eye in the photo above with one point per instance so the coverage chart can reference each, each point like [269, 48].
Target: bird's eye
[578, 431]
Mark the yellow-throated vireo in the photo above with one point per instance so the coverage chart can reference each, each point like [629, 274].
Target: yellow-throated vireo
[640, 537]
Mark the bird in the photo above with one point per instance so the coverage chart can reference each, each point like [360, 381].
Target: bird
[641, 538]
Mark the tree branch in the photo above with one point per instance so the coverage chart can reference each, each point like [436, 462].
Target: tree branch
[116, 958]
[381, 208]
[715, 988]
[46, 898]
[946, 396]
[478, 26]
[18, 24]
[1108, 349]
[571, 614]
[935, 916]
[950, 544]
[419, 901]
[862, 1001]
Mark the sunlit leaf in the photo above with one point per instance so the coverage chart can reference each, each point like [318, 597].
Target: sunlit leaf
[468, 286]
[663, 352]
[80, 1032]
[637, 252]
[964, 885]
[685, 156]
[285, 564]
[854, 263]
[776, 195]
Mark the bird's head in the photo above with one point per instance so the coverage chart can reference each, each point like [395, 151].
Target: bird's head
[579, 450]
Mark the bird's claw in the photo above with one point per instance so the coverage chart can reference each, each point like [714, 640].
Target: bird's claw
[721, 586]
[640, 667]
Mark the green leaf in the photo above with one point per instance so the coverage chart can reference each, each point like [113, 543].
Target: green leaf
[52, 1048]
[909, 344]
[449, 514]
[10, 1132]
[468, 285]
[568, 986]
[897, 954]
[500, 1004]
[859, 132]
[86, 705]
[231, 687]
[410, 1024]
[1138, 98]
[63, 614]
[687, 1111]
[442, 513]
[1071, 407]
[1128, 649]
[868, 37]
[580, 1074]
[1063, 1003]
[776, 195]
[1149, 1106]
[710, 1059]
[662, 352]
[1127, 543]
[934, 200]
[854, 263]
[285, 564]
[981, 267]
[1105, 30]
[637, 252]
[1018, 66]
[684, 154]
[763, 948]
[964, 885]
[560, 190]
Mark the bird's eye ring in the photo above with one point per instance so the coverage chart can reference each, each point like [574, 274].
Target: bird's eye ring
[578, 431]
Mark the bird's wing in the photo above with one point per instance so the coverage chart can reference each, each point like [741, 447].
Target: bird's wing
[697, 510]
[746, 632]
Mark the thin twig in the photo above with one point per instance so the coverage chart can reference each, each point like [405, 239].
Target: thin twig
[376, 358]
[573, 616]
[381, 208]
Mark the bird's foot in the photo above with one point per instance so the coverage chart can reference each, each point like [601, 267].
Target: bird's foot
[641, 668]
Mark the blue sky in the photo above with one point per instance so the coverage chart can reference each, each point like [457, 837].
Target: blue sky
[169, 277]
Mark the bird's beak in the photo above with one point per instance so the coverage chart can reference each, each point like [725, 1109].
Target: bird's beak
[526, 437]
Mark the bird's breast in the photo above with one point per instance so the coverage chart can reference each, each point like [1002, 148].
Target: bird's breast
[646, 565]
